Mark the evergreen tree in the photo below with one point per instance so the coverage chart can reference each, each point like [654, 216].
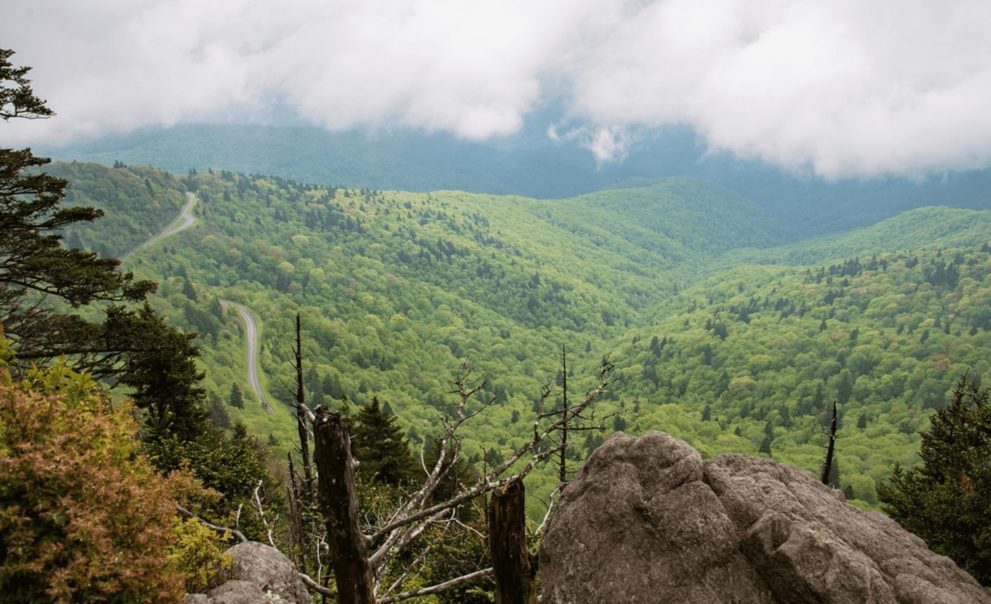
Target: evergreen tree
[218, 415]
[236, 398]
[862, 421]
[945, 499]
[765, 445]
[381, 447]
[33, 262]
[17, 99]
[188, 290]
[165, 378]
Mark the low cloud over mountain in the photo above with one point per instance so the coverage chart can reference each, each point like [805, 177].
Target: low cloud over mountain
[843, 88]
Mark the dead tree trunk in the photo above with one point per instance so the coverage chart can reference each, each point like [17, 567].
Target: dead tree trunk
[827, 465]
[338, 503]
[512, 563]
[296, 537]
[563, 466]
[304, 445]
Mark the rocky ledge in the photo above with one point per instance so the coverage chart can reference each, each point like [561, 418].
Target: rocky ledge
[259, 574]
[647, 520]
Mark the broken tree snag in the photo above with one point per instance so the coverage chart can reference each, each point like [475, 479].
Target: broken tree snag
[339, 506]
[513, 566]
[563, 465]
[827, 465]
[304, 446]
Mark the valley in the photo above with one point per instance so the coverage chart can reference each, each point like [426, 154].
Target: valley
[724, 331]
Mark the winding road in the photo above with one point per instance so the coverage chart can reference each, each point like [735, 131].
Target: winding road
[183, 221]
[251, 348]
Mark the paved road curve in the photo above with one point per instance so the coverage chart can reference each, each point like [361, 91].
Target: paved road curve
[251, 346]
[183, 221]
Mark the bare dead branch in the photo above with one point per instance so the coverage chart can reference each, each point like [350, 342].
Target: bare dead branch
[491, 479]
[316, 586]
[256, 498]
[434, 589]
[210, 525]
[543, 521]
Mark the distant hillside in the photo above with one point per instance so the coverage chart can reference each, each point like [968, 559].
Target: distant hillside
[527, 164]
[922, 228]
[717, 337]
[137, 203]
[759, 352]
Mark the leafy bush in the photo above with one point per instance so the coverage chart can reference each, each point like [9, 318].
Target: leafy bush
[197, 556]
[83, 517]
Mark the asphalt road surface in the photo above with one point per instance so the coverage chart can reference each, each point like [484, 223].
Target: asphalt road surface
[251, 347]
[180, 224]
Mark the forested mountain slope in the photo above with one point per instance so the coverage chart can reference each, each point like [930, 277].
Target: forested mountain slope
[529, 163]
[929, 227]
[136, 202]
[759, 352]
[717, 337]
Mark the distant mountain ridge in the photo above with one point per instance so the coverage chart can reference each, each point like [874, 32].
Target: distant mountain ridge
[528, 164]
[720, 330]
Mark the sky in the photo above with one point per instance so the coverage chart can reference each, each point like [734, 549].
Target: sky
[843, 88]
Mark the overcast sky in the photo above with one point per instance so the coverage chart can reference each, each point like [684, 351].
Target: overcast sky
[845, 87]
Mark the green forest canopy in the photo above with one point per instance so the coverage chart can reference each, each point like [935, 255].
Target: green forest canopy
[718, 336]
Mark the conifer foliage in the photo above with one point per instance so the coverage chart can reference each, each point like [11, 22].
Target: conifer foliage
[34, 263]
[379, 445]
[946, 499]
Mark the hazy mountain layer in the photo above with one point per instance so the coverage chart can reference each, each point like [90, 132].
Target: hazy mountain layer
[527, 164]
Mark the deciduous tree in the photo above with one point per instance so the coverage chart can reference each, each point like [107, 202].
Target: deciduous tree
[83, 516]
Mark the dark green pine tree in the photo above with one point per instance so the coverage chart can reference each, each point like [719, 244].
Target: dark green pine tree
[381, 448]
[236, 398]
[218, 414]
[765, 445]
[34, 265]
[188, 290]
[164, 379]
[945, 499]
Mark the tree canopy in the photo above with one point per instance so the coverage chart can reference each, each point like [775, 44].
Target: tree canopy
[946, 499]
[380, 447]
[34, 265]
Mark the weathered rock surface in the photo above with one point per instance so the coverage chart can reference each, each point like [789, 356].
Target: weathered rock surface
[647, 520]
[260, 574]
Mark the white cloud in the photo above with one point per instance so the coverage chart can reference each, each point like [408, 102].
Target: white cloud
[606, 143]
[844, 87]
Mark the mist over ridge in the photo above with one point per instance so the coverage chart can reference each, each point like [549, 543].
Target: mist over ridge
[529, 164]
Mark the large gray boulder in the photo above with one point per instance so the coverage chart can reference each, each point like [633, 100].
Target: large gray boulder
[260, 574]
[647, 520]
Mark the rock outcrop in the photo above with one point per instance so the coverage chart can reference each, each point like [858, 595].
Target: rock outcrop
[647, 520]
[260, 574]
